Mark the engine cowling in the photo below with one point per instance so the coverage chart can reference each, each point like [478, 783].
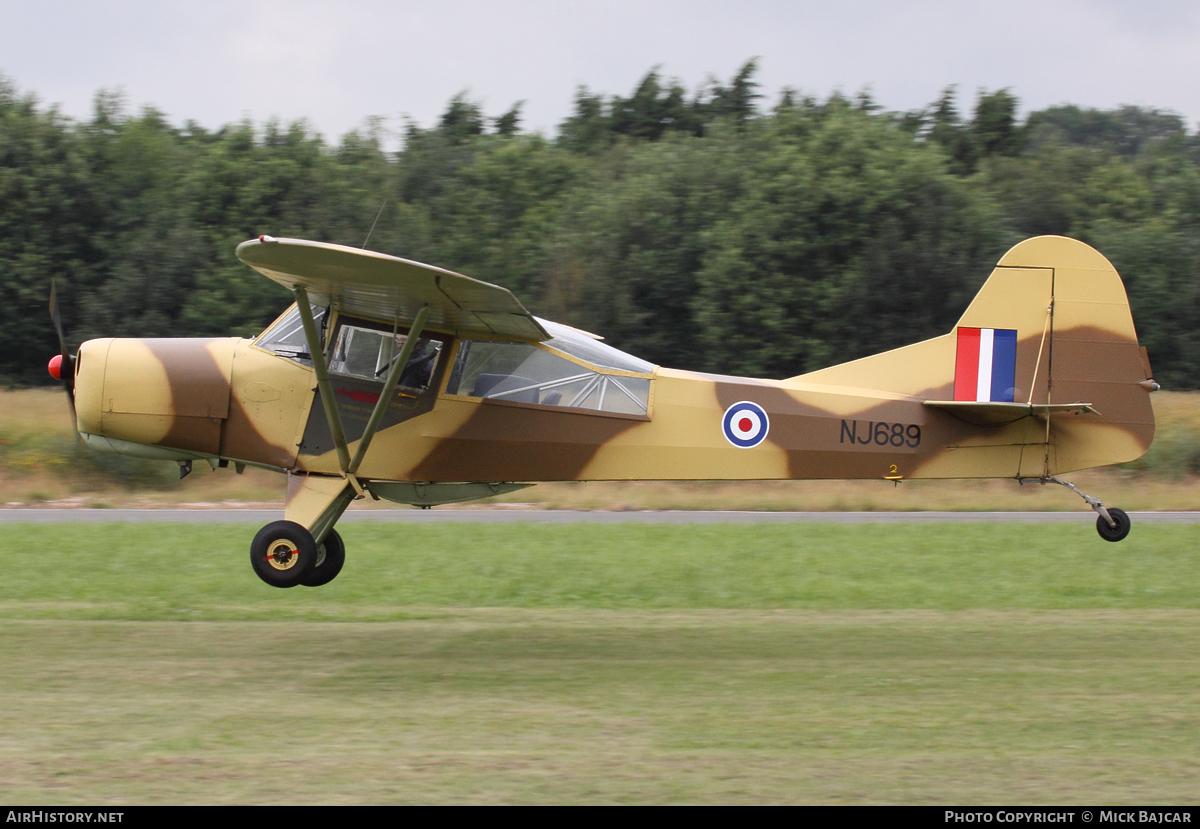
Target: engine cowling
[172, 394]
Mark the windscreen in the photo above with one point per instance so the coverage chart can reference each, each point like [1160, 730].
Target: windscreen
[286, 336]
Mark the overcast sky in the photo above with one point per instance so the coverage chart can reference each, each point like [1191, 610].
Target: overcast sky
[337, 63]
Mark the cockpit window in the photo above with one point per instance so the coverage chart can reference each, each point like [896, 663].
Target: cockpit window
[368, 353]
[286, 336]
[524, 373]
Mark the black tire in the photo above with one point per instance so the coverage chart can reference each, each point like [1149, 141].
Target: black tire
[283, 553]
[1113, 533]
[331, 555]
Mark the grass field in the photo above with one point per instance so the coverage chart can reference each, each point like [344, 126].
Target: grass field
[604, 663]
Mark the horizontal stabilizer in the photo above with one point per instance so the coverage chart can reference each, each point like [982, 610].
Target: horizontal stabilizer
[377, 286]
[997, 414]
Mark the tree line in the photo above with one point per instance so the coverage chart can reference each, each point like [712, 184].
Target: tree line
[707, 229]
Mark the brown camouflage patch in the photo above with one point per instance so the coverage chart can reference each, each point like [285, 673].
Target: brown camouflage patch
[501, 442]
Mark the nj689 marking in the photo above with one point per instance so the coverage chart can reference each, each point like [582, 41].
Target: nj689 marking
[881, 433]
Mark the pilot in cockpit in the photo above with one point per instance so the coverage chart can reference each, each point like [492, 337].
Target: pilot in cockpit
[419, 368]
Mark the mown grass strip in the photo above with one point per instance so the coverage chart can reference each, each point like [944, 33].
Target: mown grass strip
[160, 572]
[611, 706]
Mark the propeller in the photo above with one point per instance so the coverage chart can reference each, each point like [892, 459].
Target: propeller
[62, 365]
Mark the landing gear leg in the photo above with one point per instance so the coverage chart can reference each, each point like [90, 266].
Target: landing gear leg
[1111, 523]
[304, 548]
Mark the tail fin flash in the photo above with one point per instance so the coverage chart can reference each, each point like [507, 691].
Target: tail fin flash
[1049, 335]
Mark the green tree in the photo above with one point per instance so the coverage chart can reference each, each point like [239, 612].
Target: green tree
[630, 241]
[693, 229]
[994, 126]
[848, 239]
[737, 101]
[948, 129]
[1125, 131]
[46, 213]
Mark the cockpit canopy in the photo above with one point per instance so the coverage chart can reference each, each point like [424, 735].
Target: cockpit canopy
[571, 369]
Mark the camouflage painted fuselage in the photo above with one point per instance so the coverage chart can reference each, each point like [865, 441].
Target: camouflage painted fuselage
[871, 418]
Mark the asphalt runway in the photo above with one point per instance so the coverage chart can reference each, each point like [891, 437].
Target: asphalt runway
[501, 516]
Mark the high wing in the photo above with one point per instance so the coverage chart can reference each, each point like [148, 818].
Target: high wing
[377, 286]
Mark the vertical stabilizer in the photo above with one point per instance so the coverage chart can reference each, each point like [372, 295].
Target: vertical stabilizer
[1051, 325]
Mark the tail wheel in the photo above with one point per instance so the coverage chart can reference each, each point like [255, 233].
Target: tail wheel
[331, 555]
[283, 554]
[1113, 533]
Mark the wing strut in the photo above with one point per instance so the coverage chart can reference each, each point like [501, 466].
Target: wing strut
[338, 499]
[350, 465]
[322, 372]
[389, 388]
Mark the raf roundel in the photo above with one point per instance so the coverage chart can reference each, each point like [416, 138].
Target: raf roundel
[745, 424]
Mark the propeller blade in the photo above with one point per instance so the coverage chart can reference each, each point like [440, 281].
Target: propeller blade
[66, 363]
[55, 317]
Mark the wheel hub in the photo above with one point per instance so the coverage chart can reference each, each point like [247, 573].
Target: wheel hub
[282, 554]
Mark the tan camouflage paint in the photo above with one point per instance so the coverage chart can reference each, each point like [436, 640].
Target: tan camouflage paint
[1096, 360]
[269, 402]
[308, 496]
[159, 392]
[234, 400]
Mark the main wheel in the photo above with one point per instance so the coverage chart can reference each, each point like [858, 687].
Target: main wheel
[283, 553]
[1113, 533]
[331, 555]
